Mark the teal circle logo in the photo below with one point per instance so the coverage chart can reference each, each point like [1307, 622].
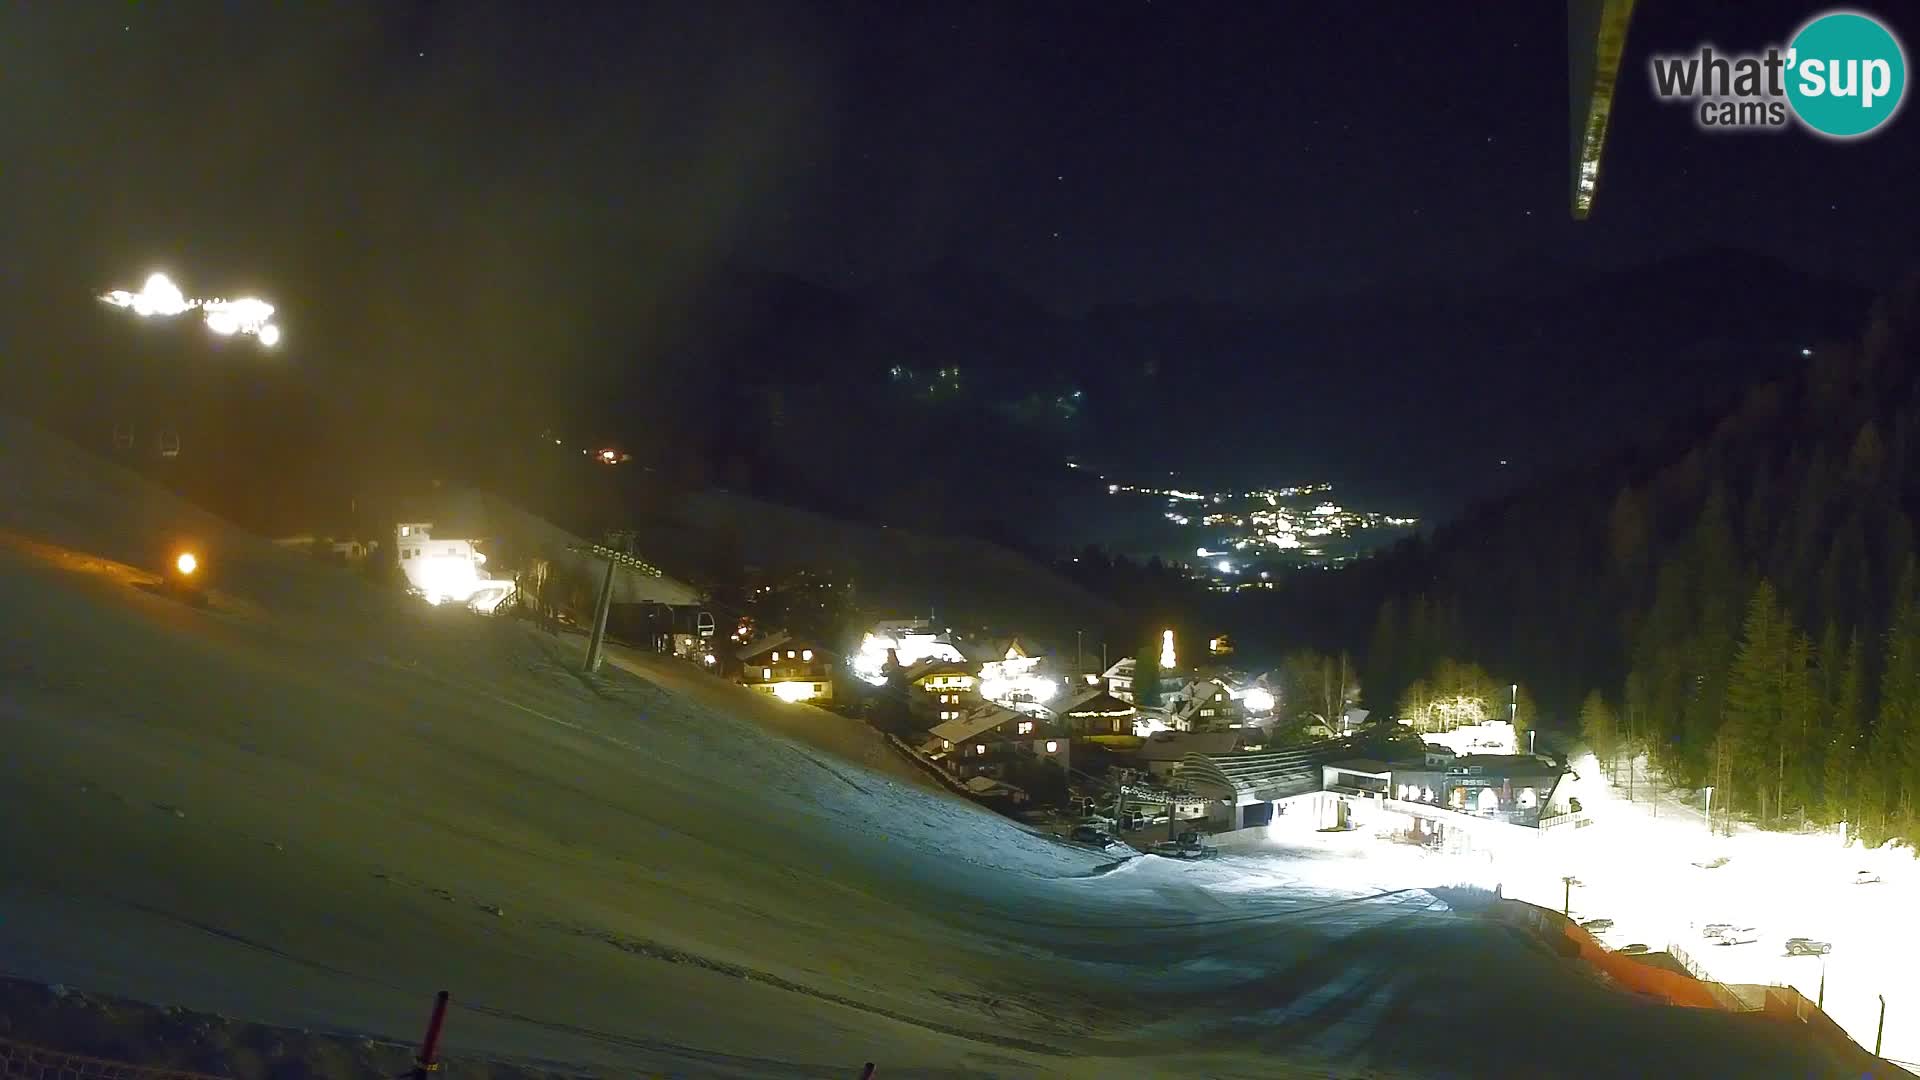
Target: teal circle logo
[1846, 74]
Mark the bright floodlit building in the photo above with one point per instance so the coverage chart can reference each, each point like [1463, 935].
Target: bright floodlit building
[443, 570]
[910, 641]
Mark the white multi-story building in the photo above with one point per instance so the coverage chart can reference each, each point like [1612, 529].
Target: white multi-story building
[443, 570]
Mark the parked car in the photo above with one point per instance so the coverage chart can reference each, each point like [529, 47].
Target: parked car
[1090, 834]
[1597, 926]
[1715, 931]
[1745, 935]
[1799, 946]
[1636, 949]
[1714, 863]
[1865, 877]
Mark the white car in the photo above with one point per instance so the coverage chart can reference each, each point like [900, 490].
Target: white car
[1865, 877]
[1744, 935]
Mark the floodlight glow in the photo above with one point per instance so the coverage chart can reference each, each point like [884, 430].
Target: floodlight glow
[871, 661]
[1006, 691]
[186, 563]
[1259, 700]
[793, 691]
[159, 297]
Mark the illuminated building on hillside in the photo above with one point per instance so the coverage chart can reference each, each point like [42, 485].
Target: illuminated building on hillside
[788, 667]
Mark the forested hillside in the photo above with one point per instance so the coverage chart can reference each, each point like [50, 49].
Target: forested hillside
[1740, 601]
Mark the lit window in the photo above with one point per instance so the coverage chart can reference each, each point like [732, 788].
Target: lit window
[1206, 712]
[789, 654]
[945, 745]
[406, 530]
[980, 749]
[807, 655]
[1026, 727]
[766, 673]
[1052, 747]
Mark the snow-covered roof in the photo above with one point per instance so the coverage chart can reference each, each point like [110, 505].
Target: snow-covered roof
[1269, 774]
[760, 645]
[984, 718]
[1186, 704]
[1365, 765]
[936, 666]
[1175, 745]
[1093, 699]
[1507, 765]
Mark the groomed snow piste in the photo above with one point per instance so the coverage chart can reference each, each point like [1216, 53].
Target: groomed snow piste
[313, 804]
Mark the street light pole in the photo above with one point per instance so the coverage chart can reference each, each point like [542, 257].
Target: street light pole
[1710, 824]
[1881, 1029]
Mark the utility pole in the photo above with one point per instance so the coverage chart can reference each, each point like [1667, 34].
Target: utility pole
[1821, 1002]
[1079, 653]
[1881, 1029]
[1566, 899]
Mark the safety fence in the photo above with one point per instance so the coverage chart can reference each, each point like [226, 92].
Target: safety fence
[1691, 988]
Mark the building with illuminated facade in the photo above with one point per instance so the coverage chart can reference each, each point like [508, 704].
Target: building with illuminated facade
[788, 667]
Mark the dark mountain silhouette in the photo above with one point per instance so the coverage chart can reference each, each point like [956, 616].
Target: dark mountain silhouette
[952, 380]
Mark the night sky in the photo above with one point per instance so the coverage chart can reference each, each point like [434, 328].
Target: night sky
[505, 190]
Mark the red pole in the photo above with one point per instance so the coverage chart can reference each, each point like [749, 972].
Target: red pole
[430, 1046]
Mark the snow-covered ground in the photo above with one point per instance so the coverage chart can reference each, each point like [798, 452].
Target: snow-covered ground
[1636, 866]
[313, 804]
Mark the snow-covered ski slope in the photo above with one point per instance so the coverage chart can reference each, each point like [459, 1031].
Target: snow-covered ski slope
[313, 804]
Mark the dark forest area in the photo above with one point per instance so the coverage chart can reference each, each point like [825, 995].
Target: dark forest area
[1737, 600]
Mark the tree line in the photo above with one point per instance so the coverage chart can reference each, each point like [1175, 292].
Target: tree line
[1736, 600]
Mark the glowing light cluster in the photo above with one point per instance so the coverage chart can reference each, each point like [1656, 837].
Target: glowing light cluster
[160, 298]
[871, 661]
[794, 691]
[1006, 691]
[1258, 700]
